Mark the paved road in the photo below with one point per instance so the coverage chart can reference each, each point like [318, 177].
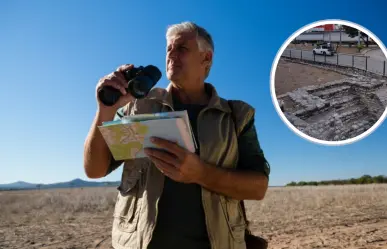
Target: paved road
[372, 64]
[376, 53]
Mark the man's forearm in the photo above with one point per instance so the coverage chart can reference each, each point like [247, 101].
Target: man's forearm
[241, 185]
[96, 152]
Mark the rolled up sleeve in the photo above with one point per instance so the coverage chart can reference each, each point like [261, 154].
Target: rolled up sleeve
[251, 155]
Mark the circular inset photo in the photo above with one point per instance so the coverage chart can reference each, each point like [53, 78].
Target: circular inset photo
[329, 82]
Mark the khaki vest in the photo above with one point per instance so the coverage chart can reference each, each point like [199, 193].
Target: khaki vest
[135, 212]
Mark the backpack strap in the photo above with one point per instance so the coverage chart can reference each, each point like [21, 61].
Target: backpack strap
[238, 129]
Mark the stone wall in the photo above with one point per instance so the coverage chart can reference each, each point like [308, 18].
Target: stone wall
[336, 110]
[374, 105]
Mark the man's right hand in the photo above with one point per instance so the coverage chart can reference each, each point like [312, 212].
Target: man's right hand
[117, 80]
[97, 156]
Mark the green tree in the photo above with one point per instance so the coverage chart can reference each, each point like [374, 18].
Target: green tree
[292, 184]
[365, 179]
[353, 32]
[379, 179]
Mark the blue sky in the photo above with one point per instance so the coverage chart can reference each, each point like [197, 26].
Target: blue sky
[52, 54]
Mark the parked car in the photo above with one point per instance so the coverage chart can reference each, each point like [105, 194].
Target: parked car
[324, 50]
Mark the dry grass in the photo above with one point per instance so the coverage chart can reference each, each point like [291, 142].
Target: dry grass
[294, 217]
[56, 201]
[295, 203]
[316, 216]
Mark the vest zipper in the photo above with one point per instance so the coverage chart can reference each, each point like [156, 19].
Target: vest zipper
[162, 185]
[157, 202]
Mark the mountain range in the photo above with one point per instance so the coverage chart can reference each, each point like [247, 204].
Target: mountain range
[76, 183]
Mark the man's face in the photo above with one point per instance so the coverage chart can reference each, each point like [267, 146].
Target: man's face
[184, 61]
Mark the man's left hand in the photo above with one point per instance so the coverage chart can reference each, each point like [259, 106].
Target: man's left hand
[176, 162]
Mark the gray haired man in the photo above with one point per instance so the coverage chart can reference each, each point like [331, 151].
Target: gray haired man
[179, 199]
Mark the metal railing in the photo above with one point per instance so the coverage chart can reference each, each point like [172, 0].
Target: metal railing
[355, 61]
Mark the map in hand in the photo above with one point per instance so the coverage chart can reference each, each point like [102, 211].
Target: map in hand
[128, 137]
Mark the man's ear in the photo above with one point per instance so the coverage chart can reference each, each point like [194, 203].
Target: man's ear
[207, 58]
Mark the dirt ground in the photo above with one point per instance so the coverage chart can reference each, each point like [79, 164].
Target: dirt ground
[346, 217]
[289, 76]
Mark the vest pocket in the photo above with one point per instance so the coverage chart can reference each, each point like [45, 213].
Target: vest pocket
[234, 217]
[126, 208]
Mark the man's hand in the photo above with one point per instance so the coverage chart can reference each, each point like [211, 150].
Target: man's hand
[97, 156]
[116, 80]
[176, 162]
[181, 165]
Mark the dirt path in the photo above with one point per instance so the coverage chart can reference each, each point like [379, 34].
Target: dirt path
[49, 234]
[290, 76]
[370, 234]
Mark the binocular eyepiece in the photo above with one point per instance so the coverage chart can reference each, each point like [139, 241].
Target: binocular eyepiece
[140, 82]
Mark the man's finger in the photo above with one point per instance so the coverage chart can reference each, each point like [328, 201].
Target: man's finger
[164, 167]
[115, 84]
[125, 99]
[163, 156]
[124, 67]
[119, 77]
[171, 147]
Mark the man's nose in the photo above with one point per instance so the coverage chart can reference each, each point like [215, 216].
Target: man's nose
[173, 54]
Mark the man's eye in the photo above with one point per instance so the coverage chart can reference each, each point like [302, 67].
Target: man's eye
[180, 48]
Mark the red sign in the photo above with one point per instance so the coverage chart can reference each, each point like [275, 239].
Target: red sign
[329, 27]
[326, 27]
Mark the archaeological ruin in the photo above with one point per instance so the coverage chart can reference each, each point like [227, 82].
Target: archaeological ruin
[337, 110]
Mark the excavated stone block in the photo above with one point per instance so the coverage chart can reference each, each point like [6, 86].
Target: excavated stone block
[339, 109]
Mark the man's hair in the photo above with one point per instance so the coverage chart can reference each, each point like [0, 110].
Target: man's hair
[203, 38]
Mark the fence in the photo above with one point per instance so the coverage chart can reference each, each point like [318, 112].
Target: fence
[355, 61]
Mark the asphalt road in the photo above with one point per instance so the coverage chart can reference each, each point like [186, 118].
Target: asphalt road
[375, 65]
[376, 53]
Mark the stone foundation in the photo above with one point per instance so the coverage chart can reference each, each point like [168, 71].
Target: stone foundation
[337, 110]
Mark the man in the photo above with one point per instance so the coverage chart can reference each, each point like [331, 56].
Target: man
[175, 198]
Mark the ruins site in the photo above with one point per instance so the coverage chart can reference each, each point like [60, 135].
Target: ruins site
[327, 104]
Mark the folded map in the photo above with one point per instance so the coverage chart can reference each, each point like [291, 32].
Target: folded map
[127, 137]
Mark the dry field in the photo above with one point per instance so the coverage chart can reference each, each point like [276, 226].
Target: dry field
[290, 76]
[295, 217]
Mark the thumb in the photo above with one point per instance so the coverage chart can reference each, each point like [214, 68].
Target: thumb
[125, 99]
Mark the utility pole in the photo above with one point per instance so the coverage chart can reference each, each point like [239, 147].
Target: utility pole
[330, 36]
[340, 29]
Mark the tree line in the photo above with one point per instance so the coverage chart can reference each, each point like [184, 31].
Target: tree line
[365, 179]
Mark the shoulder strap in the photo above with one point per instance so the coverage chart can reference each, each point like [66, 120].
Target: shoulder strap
[230, 103]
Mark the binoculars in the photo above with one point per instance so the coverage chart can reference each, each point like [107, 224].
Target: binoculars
[140, 82]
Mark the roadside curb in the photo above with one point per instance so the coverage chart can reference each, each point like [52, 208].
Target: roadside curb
[366, 50]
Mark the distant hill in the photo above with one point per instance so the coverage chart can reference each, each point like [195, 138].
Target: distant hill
[18, 185]
[76, 183]
[365, 179]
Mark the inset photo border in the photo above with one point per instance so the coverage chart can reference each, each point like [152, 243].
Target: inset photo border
[328, 82]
